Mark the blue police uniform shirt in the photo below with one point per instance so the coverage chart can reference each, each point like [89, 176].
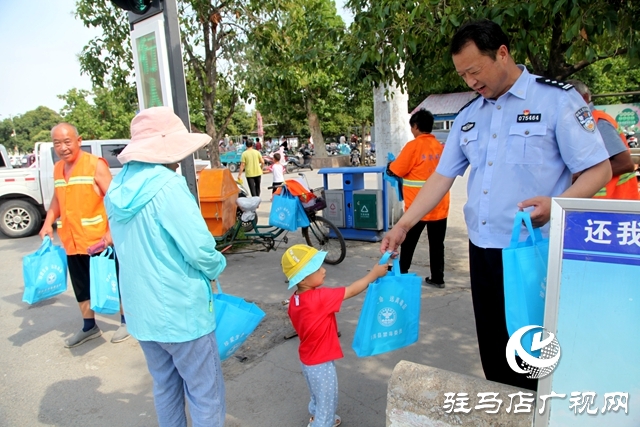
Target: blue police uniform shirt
[526, 143]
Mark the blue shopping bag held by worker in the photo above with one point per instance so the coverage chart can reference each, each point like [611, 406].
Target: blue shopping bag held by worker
[44, 272]
[236, 319]
[394, 180]
[105, 296]
[524, 265]
[285, 211]
[390, 316]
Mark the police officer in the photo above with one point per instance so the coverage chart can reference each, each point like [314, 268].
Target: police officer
[523, 137]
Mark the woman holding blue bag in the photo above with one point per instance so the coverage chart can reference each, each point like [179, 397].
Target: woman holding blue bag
[312, 310]
[167, 260]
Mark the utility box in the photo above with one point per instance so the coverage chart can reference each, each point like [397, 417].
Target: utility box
[367, 209]
[334, 211]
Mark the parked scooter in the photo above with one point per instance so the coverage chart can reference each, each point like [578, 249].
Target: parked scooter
[295, 163]
[355, 155]
[242, 192]
[632, 140]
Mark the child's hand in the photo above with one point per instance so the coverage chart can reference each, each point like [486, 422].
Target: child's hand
[379, 270]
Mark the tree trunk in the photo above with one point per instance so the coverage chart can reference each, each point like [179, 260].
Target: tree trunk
[314, 129]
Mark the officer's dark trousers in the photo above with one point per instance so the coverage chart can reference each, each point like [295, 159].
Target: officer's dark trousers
[435, 232]
[487, 292]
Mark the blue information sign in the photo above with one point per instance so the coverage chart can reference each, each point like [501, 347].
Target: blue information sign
[593, 307]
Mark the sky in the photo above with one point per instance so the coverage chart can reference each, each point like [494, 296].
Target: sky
[39, 46]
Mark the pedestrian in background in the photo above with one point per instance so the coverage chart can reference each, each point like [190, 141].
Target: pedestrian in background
[168, 258]
[523, 137]
[623, 185]
[80, 182]
[415, 164]
[278, 172]
[251, 161]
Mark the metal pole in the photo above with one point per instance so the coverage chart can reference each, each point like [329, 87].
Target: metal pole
[178, 84]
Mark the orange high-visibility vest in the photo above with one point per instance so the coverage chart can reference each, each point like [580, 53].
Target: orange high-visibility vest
[623, 186]
[83, 218]
[415, 164]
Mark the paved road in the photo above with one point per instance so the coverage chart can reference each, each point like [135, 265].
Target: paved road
[104, 384]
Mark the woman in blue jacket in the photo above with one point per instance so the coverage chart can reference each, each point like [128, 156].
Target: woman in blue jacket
[167, 259]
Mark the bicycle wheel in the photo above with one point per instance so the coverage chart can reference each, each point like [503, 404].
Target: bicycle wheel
[317, 236]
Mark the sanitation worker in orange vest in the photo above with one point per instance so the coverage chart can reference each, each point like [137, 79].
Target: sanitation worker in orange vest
[623, 185]
[415, 164]
[80, 181]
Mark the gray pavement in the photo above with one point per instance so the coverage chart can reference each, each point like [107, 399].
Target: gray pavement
[104, 384]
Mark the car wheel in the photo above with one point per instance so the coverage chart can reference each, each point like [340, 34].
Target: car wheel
[233, 167]
[19, 218]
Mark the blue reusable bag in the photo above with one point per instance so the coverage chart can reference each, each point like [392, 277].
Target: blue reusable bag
[105, 297]
[394, 181]
[390, 316]
[524, 265]
[284, 211]
[44, 272]
[236, 319]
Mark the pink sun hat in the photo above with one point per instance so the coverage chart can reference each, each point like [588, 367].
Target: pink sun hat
[159, 136]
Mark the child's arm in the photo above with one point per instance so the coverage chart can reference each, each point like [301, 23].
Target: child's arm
[360, 285]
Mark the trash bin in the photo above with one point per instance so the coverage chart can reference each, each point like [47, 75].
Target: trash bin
[218, 193]
[358, 224]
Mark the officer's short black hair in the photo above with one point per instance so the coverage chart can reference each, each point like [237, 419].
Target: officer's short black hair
[485, 34]
[423, 119]
[249, 143]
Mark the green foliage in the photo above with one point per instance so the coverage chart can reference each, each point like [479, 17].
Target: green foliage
[555, 38]
[210, 41]
[294, 72]
[106, 116]
[614, 75]
[30, 127]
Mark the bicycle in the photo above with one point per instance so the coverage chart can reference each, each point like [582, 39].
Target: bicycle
[321, 233]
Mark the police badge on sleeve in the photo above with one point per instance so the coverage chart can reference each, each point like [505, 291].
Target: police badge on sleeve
[585, 119]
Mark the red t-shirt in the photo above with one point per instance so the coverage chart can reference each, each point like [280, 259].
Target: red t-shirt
[313, 315]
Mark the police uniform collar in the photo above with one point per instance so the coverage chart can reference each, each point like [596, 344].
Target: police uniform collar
[519, 88]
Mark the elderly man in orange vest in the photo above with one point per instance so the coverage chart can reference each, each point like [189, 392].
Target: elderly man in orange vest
[415, 164]
[623, 185]
[80, 181]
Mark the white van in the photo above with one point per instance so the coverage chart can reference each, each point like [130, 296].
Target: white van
[26, 193]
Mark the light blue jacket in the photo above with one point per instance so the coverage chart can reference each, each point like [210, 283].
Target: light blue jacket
[166, 253]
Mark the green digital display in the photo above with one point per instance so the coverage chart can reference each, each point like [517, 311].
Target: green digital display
[149, 70]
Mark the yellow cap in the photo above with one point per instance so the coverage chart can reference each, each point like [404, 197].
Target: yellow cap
[299, 261]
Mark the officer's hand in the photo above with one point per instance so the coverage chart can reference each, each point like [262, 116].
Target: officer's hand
[393, 239]
[46, 230]
[542, 209]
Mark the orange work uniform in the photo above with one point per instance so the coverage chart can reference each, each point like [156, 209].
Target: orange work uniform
[83, 218]
[415, 164]
[623, 186]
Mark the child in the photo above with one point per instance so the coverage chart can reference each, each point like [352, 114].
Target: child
[278, 172]
[312, 311]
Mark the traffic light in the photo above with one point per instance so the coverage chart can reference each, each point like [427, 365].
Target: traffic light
[140, 9]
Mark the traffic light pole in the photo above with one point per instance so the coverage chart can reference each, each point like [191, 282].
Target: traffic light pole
[178, 84]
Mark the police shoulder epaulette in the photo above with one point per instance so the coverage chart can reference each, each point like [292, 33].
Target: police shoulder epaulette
[468, 103]
[555, 83]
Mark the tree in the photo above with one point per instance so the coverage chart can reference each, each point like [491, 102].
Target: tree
[293, 70]
[209, 34]
[30, 127]
[108, 117]
[556, 38]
